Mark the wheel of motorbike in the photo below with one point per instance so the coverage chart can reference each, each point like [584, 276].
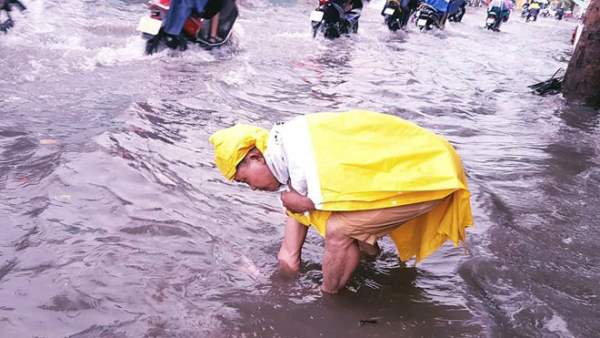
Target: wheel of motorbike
[394, 21]
[331, 32]
[391, 23]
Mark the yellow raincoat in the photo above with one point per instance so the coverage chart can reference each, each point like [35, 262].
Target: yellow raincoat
[367, 160]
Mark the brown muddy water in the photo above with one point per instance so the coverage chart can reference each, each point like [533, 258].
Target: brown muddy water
[115, 222]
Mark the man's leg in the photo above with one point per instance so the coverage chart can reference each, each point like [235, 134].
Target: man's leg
[291, 247]
[404, 4]
[214, 26]
[340, 259]
[179, 12]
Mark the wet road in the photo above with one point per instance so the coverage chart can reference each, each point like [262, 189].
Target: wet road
[115, 222]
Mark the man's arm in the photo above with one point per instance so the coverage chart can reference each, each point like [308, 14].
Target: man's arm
[295, 202]
[291, 247]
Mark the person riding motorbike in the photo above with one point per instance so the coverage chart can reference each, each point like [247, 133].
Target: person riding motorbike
[350, 7]
[339, 17]
[435, 11]
[502, 8]
[560, 12]
[525, 10]
[534, 10]
[179, 12]
[452, 10]
[6, 6]
[408, 7]
[456, 10]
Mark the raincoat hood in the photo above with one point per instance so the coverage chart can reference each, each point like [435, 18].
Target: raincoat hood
[232, 144]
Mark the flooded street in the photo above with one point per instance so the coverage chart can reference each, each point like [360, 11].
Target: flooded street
[116, 223]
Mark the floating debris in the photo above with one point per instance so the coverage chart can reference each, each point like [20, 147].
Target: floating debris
[372, 320]
[48, 141]
[551, 86]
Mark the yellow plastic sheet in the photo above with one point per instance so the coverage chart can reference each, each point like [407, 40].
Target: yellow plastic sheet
[367, 160]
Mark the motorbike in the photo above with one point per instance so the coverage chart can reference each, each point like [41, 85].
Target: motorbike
[428, 17]
[395, 16]
[211, 32]
[559, 13]
[525, 10]
[532, 14]
[334, 18]
[392, 15]
[433, 13]
[492, 21]
[6, 6]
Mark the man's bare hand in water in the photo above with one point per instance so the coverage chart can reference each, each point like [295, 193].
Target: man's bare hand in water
[296, 203]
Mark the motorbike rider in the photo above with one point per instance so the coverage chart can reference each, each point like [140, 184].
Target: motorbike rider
[441, 9]
[560, 12]
[406, 7]
[179, 12]
[502, 9]
[534, 10]
[6, 6]
[344, 12]
[456, 10]
[350, 7]
[525, 9]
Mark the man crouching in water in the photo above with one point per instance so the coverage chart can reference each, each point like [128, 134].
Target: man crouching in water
[355, 177]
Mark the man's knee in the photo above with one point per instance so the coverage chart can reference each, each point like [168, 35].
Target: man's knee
[334, 229]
